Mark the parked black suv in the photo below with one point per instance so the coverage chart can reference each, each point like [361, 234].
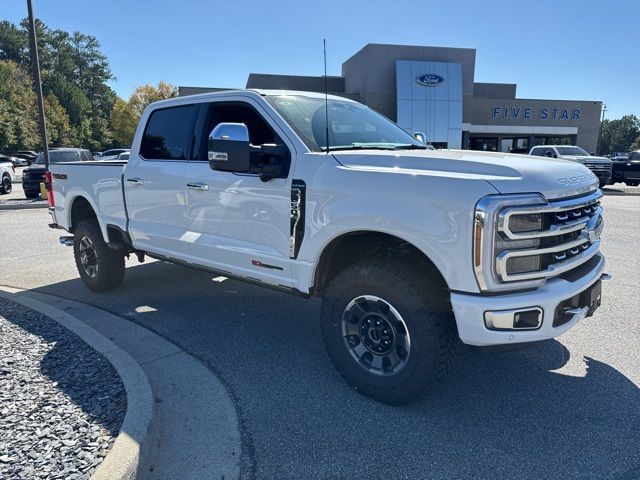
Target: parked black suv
[34, 175]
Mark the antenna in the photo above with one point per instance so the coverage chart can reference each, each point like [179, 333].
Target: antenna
[326, 95]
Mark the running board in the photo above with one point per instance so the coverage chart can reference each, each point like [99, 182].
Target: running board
[66, 240]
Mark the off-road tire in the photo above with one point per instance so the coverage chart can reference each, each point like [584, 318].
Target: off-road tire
[5, 185]
[425, 309]
[110, 263]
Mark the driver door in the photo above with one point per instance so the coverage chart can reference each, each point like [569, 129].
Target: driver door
[236, 222]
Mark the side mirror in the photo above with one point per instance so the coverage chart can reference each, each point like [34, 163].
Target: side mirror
[228, 148]
[421, 137]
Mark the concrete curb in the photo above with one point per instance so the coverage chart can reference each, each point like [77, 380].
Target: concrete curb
[22, 206]
[131, 450]
[621, 194]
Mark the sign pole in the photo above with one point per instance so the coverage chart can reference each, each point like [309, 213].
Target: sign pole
[35, 63]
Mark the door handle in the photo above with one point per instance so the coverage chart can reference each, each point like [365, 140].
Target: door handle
[135, 181]
[198, 186]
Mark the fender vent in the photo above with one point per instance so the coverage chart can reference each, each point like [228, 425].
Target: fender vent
[298, 202]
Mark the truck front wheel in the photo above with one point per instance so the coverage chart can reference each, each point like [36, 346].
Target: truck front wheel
[387, 330]
[100, 267]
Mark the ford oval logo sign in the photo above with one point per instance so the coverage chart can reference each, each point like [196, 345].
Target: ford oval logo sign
[430, 80]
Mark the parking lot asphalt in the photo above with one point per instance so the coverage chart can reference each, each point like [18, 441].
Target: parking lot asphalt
[566, 408]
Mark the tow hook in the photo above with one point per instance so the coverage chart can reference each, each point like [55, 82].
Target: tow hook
[66, 240]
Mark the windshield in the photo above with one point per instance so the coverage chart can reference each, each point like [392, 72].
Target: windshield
[351, 125]
[57, 156]
[572, 151]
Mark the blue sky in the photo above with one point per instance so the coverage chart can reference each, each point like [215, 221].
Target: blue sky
[555, 49]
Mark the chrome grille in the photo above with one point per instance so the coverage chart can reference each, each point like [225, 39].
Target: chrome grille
[568, 237]
[597, 168]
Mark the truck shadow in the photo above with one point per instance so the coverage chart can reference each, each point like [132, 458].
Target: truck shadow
[499, 415]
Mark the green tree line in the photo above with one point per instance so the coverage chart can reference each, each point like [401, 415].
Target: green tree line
[82, 110]
[621, 135]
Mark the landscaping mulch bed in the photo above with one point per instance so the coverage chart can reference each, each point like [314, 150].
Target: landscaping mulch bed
[61, 402]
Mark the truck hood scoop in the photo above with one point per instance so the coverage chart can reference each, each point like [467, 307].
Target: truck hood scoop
[508, 173]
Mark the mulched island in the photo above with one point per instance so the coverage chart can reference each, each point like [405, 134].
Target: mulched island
[61, 403]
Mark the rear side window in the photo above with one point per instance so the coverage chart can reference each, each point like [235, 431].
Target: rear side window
[169, 133]
[536, 151]
[86, 156]
[635, 156]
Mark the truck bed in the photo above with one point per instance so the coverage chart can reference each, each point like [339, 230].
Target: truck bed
[100, 183]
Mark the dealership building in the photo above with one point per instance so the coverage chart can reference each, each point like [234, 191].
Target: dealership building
[433, 90]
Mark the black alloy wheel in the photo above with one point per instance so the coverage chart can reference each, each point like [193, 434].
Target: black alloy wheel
[376, 335]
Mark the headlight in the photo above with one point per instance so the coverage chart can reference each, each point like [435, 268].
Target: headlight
[526, 222]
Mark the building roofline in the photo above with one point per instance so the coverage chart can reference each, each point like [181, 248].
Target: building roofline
[547, 100]
[401, 45]
[296, 76]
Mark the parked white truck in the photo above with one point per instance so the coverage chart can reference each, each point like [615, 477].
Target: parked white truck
[410, 248]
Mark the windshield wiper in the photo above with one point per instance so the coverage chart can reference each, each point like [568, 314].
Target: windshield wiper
[373, 146]
[410, 146]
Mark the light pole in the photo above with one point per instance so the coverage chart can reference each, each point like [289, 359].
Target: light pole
[604, 110]
[35, 63]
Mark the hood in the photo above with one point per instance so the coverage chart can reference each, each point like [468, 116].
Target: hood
[507, 173]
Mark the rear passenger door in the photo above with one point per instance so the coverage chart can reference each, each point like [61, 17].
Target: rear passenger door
[154, 182]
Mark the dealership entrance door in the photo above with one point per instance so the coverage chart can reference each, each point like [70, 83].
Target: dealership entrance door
[488, 144]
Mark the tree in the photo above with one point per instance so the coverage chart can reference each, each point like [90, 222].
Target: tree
[123, 122]
[619, 135]
[13, 43]
[82, 109]
[58, 125]
[18, 128]
[146, 94]
[75, 76]
[636, 144]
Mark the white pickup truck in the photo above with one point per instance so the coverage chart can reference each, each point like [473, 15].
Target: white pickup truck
[410, 248]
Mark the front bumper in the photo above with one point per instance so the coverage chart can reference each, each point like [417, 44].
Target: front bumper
[604, 176]
[469, 310]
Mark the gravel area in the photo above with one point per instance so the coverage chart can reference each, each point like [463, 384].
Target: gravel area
[61, 403]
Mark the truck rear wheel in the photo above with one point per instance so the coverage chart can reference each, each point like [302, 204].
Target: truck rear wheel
[101, 268]
[387, 330]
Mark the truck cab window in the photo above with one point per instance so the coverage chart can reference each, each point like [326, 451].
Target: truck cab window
[259, 130]
[169, 133]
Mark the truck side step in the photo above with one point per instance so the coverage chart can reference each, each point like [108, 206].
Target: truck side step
[66, 240]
